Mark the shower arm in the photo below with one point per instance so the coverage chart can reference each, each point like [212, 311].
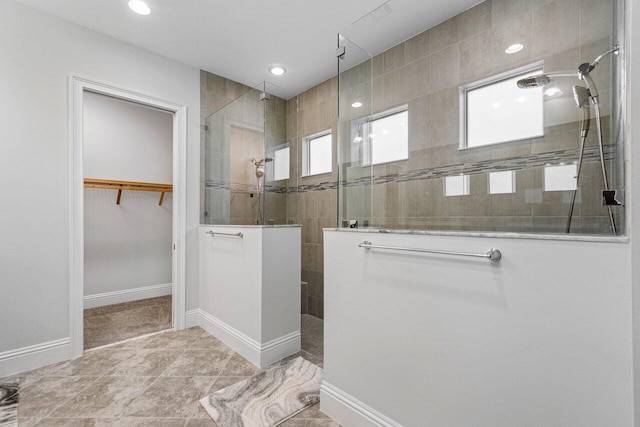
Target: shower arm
[584, 73]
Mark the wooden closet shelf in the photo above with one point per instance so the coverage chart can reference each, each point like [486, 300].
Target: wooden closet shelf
[111, 184]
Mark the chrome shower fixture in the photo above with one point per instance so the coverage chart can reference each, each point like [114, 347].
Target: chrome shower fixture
[535, 81]
[584, 73]
[582, 96]
[542, 80]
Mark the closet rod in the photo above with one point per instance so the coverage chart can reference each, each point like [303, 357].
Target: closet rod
[111, 184]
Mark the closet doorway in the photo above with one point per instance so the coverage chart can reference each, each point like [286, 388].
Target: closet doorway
[127, 211]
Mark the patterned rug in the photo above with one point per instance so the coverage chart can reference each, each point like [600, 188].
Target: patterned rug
[268, 398]
[9, 395]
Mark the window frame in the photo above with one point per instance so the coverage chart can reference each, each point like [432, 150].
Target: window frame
[497, 78]
[513, 182]
[466, 185]
[306, 153]
[271, 166]
[363, 126]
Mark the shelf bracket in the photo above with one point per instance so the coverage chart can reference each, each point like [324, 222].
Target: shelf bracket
[161, 199]
[119, 196]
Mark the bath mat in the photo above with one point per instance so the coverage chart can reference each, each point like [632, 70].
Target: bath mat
[9, 394]
[268, 398]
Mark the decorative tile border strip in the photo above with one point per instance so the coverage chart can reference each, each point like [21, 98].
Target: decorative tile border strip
[591, 154]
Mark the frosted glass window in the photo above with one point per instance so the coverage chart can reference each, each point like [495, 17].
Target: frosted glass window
[457, 185]
[316, 153]
[560, 178]
[281, 164]
[389, 138]
[502, 182]
[499, 111]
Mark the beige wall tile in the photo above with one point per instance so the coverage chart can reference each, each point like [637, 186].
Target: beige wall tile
[444, 68]
[558, 22]
[475, 20]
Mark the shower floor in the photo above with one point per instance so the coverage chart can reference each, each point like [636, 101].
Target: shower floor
[312, 331]
[118, 322]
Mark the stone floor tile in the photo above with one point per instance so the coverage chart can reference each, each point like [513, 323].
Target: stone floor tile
[171, 397]
[106, 397]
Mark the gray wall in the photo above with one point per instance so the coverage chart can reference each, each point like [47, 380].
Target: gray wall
[34, 254]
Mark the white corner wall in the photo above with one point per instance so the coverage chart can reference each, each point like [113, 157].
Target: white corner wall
[127, 247]
[541, 338]
[39, 52]
[250, 289]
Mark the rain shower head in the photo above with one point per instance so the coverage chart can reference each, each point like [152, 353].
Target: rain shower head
[534, 81]
[542, 80]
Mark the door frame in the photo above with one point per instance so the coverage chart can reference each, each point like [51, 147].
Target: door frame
[77, 87]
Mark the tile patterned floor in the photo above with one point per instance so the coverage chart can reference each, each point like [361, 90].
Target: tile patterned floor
[119, 322]
[151, 381]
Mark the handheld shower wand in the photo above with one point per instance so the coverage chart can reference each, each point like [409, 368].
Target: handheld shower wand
[581, 97]
[584, 73]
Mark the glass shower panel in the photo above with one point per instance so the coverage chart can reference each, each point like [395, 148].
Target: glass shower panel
[249, 176]
[534, 180]
[234, 162]
[281, 172]
[355, 103]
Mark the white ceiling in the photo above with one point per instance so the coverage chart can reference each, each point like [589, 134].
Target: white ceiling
[240, 39]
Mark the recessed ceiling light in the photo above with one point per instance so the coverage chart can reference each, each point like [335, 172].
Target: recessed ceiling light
[139, 7]
[357, 104]
[514, 48]
[277, 70]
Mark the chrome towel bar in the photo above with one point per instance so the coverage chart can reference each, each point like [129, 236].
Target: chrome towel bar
[492, 254]
[217, 233]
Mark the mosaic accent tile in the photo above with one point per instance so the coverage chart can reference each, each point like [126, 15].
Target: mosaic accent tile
[591, 154]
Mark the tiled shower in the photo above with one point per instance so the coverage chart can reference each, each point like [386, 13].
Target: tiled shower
[503, 187]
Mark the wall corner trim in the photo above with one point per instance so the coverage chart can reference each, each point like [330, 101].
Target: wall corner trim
[192, 318]
[34, 356]
[347, 410]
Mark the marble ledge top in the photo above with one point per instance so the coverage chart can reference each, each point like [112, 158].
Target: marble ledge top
[497, 235]
[253, 226]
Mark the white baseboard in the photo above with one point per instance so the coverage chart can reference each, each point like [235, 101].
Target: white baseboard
[127, 295]
[260, 354]
[34, 356]
[192, 318]
[349, 411]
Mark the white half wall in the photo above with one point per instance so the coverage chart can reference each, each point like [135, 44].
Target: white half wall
[542, 338]
[250, 289]
[39, 52]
